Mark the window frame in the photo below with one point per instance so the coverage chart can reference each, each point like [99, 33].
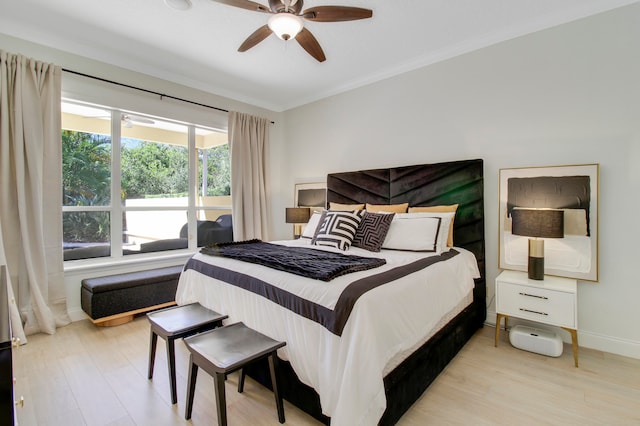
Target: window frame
[117, 209]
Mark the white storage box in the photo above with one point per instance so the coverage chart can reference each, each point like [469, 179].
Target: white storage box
[536, 340]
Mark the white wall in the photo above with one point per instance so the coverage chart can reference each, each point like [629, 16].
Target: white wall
[567, 95]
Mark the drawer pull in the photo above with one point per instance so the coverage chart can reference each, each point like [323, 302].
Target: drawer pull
[534, 295]
[534, 312]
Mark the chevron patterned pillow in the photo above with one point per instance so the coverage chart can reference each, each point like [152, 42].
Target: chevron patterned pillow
[338, 229]
[372, 231]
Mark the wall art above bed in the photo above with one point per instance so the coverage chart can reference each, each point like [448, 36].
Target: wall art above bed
[572, 189]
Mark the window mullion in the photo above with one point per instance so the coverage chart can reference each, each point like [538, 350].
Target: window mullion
[193, 189]
[116, 169]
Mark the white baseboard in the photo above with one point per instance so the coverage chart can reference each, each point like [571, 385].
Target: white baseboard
[586, 339]
[613, 345]
[77, 314]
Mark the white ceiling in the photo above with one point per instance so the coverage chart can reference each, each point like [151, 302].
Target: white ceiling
[198, 47]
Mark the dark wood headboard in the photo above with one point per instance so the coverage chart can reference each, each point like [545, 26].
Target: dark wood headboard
[456, 182]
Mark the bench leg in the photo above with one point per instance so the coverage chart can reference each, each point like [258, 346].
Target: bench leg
[274, 383]
[152, 353]
[241, 380]
[171, 360]
[221, 399]
[191, 388]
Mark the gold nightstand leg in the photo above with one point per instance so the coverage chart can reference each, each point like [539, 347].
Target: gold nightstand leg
[498, 321]
[574, 343]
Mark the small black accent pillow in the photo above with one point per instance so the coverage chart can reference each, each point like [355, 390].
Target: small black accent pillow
[372, 231]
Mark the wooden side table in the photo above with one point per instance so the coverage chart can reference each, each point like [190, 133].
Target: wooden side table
[225, 350]
[174, 323]
[552, 301]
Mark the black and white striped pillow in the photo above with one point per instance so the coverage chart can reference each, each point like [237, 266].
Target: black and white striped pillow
[338, 229]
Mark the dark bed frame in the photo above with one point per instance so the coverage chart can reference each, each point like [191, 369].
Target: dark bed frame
[457, 182]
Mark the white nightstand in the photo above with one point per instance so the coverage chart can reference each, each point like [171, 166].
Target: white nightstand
[552, 301]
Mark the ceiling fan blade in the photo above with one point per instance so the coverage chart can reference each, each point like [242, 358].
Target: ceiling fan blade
[255, 38]
[336, 13]
[310, 44]
[138, 119]
[245, 4]
[128, 120]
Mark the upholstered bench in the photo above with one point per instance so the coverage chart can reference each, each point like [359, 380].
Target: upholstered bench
[224, 350]
[116, 299]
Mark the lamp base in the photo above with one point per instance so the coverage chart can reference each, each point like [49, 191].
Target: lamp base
[536, 259]
[297, 230]
[536, 268]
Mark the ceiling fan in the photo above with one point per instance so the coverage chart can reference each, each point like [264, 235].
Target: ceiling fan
[127, 120]
[286, 21]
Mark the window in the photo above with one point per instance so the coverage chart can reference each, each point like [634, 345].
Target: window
[126, 187]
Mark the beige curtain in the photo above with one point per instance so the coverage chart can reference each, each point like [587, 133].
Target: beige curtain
[249, 140]
[31, 193]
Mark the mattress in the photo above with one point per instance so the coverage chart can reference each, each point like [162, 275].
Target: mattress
[346, 369]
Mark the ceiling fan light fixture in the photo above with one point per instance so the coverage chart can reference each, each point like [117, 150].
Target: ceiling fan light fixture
[285, 25]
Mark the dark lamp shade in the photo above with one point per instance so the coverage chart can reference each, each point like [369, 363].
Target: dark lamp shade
[297, 214]
[538, 223]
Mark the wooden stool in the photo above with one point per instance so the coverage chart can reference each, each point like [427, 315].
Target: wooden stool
[175, 323]
[227, 349]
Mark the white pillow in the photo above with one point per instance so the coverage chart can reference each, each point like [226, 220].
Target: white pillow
[412, 233]
[419, 232]
[447, 221]
[311, 226]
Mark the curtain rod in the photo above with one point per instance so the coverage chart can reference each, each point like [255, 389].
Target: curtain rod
[162, 95]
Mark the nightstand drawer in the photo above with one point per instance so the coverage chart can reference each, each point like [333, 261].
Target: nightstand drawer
[537, 304]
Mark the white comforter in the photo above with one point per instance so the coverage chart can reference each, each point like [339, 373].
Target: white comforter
[346, 371]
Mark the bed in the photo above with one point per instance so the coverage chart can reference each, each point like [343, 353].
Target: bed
[372, 366]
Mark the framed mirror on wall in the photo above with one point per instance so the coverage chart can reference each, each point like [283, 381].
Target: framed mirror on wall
[571, 194]
[308, 197]
[313, 195]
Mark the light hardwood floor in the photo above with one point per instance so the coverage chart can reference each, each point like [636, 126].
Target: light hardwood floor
[87, 375]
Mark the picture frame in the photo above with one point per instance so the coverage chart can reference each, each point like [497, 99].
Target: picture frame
[573, 189]
[313, 195]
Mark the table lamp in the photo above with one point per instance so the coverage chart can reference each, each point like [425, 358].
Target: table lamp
[538, 224]
[297, 216]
